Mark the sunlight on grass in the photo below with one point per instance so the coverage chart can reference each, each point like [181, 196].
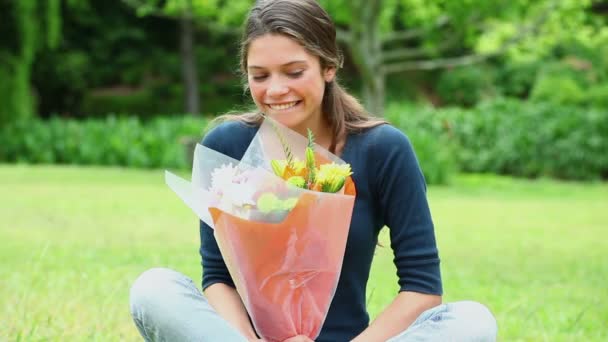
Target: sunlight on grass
[73, 240]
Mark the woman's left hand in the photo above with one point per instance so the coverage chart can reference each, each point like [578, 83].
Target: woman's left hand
[299, 338]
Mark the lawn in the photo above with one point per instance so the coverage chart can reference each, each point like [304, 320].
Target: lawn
[73, 240]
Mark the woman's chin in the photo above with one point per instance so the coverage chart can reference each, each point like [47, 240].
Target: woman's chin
[290, 120]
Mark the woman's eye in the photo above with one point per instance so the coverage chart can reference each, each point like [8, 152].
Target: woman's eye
[259, 78]
[295, 74]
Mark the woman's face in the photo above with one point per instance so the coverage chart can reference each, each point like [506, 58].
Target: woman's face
[286, 81]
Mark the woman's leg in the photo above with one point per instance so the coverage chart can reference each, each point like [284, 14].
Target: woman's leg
[459, 322]
[167, 306]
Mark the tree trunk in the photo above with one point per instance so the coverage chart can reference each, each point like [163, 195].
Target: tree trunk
[189, 73]
[16, 91]
[374, 94]
[366, 48]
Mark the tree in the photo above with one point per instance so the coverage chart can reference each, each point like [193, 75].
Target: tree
[212, 14]
[31, 26]
[183, 11]
[394, 36]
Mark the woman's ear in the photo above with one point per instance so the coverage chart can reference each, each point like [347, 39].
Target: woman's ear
[329, 74]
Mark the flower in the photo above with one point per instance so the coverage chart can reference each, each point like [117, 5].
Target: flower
[327, 171]
[282, 169]
[305, 174]
[221, 177]
[269, 202]
[232, 187]
[297, 181]
[331, 177]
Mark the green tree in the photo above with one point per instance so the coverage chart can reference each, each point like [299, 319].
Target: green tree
[393, 36]
[215, 15]
[29, 26]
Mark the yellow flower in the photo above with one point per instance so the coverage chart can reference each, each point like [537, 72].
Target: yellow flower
[297, 181]
[280, 168]
[327, 171]
[331, 177]
[267, 202]
[299, 167]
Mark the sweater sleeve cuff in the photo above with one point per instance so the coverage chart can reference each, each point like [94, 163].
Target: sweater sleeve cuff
[423, 279]
[208, 282]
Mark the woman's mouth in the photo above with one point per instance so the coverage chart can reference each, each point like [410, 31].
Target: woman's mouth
[283, 106]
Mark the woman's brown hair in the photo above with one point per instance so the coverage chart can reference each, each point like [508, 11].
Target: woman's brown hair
[307, 23]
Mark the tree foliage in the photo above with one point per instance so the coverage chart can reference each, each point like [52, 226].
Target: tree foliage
[394, 36]
[34, 25]
[133, 45]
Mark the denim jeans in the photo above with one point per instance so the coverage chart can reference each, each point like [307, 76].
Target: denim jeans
[167, 306]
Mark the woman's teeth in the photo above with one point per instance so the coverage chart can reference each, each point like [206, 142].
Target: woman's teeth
[282, 106]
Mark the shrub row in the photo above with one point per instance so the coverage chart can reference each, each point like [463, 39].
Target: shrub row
[503, 136]
[159, 143]
[525, 139]
[120, 141]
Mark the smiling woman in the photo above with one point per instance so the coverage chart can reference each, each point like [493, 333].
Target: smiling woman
[289, 86]
[290, 59]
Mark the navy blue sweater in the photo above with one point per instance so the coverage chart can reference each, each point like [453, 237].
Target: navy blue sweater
[391, 192]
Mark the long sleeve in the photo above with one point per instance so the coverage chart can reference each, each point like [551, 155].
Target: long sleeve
[401, 195]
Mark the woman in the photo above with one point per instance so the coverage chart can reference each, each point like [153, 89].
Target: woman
[290, 58]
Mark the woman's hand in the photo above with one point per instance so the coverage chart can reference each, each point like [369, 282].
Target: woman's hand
[299, 338]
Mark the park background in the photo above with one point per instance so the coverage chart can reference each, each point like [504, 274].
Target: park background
[505, 102]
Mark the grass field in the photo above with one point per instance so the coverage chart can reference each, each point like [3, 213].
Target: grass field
[73, 239]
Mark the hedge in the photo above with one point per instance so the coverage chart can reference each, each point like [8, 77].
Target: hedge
[504, 136]
[527, 139]
[119, 141]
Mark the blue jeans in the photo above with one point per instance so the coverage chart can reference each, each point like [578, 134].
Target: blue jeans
[167, 306]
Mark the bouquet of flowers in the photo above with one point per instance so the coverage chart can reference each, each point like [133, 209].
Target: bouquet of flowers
[281, 217]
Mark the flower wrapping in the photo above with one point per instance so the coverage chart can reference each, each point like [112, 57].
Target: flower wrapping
[282, 245]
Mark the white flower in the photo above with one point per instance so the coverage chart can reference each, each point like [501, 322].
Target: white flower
[232, 188]
[240, 194]
[221, 178]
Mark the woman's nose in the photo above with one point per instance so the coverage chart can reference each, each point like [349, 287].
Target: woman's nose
[277, 88]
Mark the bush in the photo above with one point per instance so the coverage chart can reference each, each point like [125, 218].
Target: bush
[158, 143]
[433, 146]
[534, 139]
[577, 76]
[435, 156]
[465, 86]
[145, 102]
[559, 89]
[597, 96]
[517, 138]
[159, 98]
[504, 136]
[517, 79]
[565, 91]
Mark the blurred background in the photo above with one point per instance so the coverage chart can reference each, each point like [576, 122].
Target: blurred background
[514, 87]
[505, 102]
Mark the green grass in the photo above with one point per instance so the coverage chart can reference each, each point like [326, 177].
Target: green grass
[73, 239]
